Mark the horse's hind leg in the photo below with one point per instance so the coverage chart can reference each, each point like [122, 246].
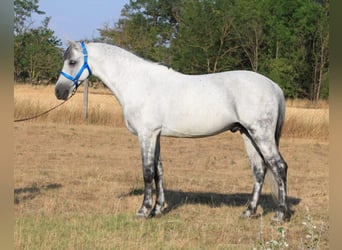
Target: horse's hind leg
[278, 166]
[259, 170]
[265, 144]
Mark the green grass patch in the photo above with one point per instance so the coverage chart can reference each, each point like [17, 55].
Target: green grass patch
[98, 232]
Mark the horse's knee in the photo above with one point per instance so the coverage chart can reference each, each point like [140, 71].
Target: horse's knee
[158, 175]
[278, 166]
[282, 165]
[259, 173]
[148, 173]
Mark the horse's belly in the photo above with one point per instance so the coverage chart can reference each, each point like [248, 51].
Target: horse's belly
[197, 125]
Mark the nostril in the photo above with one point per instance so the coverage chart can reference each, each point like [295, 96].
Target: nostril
[62, 91]
[60, 94]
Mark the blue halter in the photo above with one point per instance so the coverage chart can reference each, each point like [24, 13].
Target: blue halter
[85, 65]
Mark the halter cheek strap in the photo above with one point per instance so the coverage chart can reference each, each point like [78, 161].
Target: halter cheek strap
[85, 65]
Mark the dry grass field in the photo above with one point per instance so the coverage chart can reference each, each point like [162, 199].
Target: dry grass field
[78, 185]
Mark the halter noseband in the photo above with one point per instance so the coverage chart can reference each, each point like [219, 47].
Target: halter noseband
[85, 65]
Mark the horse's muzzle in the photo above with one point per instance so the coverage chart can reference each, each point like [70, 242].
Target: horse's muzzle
[62, 92]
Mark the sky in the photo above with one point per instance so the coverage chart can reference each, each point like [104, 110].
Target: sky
[76, 20]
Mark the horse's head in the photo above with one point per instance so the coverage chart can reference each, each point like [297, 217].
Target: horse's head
[73, 72]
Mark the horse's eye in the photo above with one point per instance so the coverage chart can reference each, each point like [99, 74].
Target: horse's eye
[72, 62]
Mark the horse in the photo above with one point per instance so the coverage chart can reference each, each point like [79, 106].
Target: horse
[159, 101]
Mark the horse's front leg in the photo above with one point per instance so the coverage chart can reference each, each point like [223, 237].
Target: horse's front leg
[149, 154]
[158, 178]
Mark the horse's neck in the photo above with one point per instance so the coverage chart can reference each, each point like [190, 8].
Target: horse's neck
[118, 69]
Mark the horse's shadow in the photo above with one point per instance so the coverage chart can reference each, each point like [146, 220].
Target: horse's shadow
[29, 193]
[178, 198]
[174, 198]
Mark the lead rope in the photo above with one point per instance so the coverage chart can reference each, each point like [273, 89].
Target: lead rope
[47, 111]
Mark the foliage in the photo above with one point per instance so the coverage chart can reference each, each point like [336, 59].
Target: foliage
[37, 51]
[286, 40]
[147, 28]
[23, 10]
[205, 42]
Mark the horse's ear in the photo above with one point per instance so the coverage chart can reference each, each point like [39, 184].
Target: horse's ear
[72, 44]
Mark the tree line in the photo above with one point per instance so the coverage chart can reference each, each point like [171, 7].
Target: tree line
[286, 40]
[37, 51]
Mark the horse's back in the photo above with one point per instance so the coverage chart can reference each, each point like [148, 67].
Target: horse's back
[208, 104]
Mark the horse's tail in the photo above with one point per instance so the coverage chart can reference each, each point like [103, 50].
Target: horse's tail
[272, 183]
[270, 178]
[280, 120]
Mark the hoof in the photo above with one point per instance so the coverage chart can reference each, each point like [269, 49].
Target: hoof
[280, 218]
[141, 216]
[155, 214]
[248, 214]
[157, 211]
[143, 213]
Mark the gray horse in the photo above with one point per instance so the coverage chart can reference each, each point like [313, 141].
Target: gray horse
[158, 101]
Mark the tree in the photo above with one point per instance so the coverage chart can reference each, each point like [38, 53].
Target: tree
[206, 41]
[37, 51]
[146, 28]
[290, 27]
[320, 52]
[248, 25]
[286, 40]
[23, 10]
